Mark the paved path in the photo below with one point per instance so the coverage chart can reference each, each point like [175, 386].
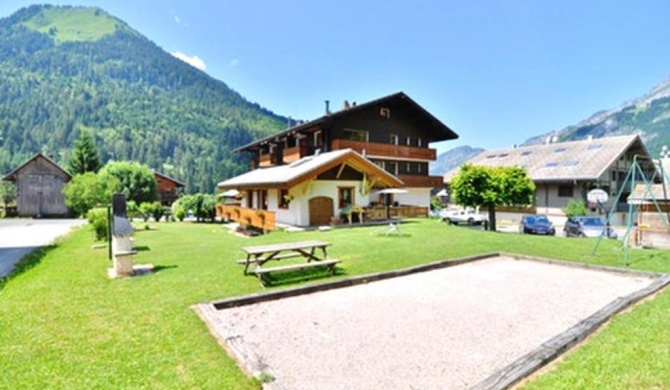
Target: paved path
[18, 237]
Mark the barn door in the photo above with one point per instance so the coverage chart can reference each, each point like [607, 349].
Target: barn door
[320, 210]
[30, 193]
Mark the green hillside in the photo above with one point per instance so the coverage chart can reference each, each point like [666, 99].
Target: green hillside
[63, 69]
[69, 24]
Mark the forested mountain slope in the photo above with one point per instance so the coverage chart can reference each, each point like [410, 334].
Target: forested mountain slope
[63, 69]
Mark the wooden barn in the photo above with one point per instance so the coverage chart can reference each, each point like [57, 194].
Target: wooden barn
[39, 188]
[168, 188]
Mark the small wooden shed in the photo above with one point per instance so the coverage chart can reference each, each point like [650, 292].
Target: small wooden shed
[167, 187]
[39, 187]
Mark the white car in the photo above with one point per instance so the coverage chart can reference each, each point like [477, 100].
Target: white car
[468, 216]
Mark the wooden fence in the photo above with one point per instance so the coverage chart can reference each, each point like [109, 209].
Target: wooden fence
[261, 219]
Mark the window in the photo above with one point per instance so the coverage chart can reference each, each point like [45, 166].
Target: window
[409, 168]
[551, 164]
[318, 139]
[356, 135]
[419, 142]
[391, 167]
[409, 141]
[594, 146]
[560, 150]
[571, 163]
[526, 153]
[345, 196]
[565, 191]
[284, 198]
[393, 139]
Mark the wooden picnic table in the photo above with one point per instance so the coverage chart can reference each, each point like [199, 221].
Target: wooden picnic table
[313, 251]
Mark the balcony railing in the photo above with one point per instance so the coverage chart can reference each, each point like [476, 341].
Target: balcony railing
[386, 150]
[261, 219]
[422, 181]
[292, 154]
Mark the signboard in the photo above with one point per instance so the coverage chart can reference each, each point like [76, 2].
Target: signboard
[597, 195]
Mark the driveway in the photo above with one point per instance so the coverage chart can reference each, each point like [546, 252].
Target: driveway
[18, 237]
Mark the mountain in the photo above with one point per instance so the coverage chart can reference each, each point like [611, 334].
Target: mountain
[452, 158]
[648, 116]
[63, 69]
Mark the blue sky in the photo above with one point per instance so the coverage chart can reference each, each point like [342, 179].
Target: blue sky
[496, 72]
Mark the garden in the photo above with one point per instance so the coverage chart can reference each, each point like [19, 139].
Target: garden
[65, 324]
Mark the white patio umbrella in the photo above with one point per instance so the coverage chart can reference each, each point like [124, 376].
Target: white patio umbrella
[230, 193]
[392, 191]
[443, 192]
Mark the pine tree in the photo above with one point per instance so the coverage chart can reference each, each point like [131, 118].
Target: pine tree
[84, 156]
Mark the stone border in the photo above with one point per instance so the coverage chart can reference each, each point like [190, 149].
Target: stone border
[505, 378]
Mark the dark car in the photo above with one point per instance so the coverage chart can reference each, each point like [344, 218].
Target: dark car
[588, 227]
[536, 224]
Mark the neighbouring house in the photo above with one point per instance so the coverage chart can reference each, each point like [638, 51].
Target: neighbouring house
[39, 187]
[650, 206]
[563, 171]
[348, 156]
[167, 188]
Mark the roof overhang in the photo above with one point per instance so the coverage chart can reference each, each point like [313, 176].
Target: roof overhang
[309, 168]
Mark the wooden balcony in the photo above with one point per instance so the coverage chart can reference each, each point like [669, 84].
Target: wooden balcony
[292, 154]
[264, 160]
[261, 219]
[386, 150]
[422, 181]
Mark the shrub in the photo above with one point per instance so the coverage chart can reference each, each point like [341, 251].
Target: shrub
[575, 208]
[146, 209]
[157, 211]
[97, 217]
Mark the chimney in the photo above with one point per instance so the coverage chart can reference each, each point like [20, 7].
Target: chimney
[345, 105]
[327, 107]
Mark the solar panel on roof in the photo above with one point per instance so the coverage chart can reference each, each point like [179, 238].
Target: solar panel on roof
[560, 150]
[527, 152]
[571, 163]
[594, 146]
[551, 164]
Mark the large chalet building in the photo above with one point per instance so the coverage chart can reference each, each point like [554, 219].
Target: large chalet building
[313, 172]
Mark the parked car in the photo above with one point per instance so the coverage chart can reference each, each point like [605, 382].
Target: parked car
[536, 224]
[468, 216]
[588, 227]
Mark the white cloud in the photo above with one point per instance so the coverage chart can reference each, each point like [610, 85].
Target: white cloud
[194, 61]
[234, 62]
[177, 20]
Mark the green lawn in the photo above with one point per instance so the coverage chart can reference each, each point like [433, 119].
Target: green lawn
[64, 324]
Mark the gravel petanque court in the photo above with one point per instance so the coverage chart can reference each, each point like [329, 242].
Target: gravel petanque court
[449, 328]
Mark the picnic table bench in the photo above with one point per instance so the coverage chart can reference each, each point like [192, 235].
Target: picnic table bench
[309, 250]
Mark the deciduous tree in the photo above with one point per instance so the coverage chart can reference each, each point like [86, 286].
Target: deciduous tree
[492, 186]
[135, 180]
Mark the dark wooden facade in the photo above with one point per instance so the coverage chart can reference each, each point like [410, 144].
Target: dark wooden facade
[168, 188]
[39, 188]
[393, 132]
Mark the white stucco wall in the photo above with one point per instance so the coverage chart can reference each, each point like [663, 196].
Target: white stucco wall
[414, 197]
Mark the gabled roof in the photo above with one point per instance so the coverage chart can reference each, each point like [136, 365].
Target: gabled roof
[648, 193]
[11, 176]
[562, 161]
[428, 122]
[286, 176]
[166, 177]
